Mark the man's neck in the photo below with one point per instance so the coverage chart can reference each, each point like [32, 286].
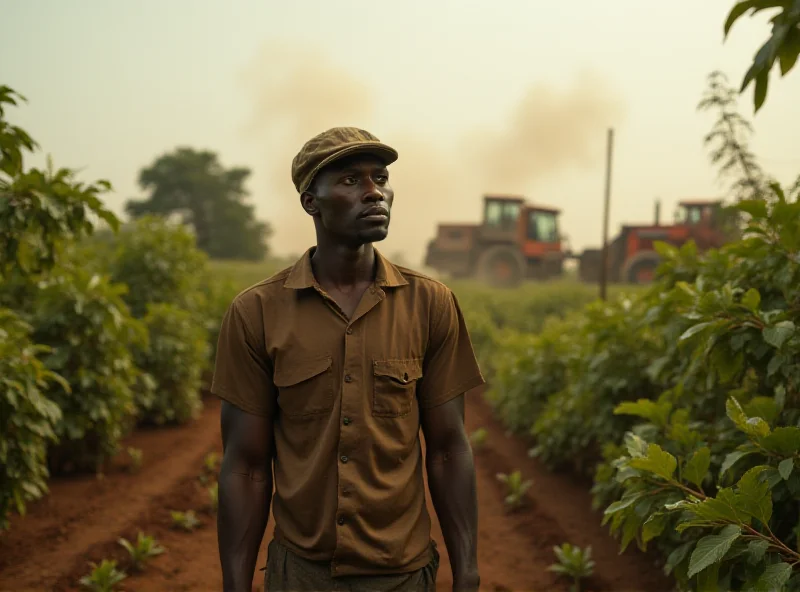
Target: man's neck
[343, 267]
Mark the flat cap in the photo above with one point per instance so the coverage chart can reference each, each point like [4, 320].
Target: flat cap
[331, 145]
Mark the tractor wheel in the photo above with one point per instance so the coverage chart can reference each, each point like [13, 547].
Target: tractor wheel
[501, 266]
[641, 268]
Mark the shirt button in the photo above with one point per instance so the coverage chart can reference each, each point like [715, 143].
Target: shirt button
[349, 330]
[348, 378]
[346, 421]
[340, 520]
[344, 459]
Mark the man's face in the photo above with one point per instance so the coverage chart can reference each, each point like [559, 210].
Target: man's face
[351, 200]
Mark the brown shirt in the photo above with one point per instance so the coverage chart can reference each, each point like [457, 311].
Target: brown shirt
[345, 397]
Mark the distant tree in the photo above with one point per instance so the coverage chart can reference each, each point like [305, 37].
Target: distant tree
[194, 185]
[783, 45]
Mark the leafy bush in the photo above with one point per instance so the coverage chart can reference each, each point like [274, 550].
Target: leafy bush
[608, 348]
[159, 263]
[526, 369]
[716, 463]
[217, 294]
[684, 401]
[175, 357]
[27, 416]
[85, 322]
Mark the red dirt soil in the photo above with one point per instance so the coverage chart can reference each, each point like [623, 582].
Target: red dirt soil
[80, 521]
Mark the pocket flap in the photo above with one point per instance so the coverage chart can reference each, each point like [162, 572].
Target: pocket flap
[400, 370]
[292, 373]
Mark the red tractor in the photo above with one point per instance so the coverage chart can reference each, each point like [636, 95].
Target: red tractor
[515, 241]
[631, 256]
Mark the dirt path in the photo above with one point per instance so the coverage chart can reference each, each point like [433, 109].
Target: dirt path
[82, 519]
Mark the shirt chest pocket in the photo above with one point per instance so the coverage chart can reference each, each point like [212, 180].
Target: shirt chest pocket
[305, 387]
[395, 386]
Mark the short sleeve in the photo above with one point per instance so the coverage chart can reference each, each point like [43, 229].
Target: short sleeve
[242, 370]
[449, 367]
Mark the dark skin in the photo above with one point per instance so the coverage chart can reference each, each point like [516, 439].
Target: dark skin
[344, 266]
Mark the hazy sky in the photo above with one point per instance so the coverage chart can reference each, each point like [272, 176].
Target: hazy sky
[478, 97]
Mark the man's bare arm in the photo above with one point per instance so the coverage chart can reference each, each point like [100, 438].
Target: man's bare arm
[451, 480]
[245, 494]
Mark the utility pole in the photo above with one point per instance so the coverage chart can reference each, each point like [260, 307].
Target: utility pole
[604, 258]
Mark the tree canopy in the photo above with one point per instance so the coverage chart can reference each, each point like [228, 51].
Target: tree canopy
[194, 185]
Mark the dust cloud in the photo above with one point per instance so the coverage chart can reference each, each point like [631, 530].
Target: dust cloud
[295, 95]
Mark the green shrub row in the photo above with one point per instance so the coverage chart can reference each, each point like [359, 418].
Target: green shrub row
[683, 403]
[99, 331]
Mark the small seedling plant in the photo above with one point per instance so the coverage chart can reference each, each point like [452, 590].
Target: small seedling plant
[104, 577]
[211, 462]
[184, 520]
[213, 494]
[515, 488]
[478, 439]
[136, 455]
[573, 562]
[145, 548]
[210, 466]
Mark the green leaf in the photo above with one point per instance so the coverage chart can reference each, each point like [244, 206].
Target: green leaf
[776, 335]
[731, 458]
[751, 298]
[753, 495]
[763, 407]
[695, 329]
[627, 500]
[656, 412]
[635, 445]
[774, 577]
[712, 548]
[756, 551]
[697, 466]
[786, 467]
[755, 426]
[653, 527]
[736, 413]
[762, 84]
[708, 579]
[790, 51]
[757, 208]
[784, 441]
[657, 461]
[677, 556]
[736, 12]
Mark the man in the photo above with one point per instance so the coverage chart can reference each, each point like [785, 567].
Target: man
[327, 371]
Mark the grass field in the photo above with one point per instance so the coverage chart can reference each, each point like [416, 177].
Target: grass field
[243, 274]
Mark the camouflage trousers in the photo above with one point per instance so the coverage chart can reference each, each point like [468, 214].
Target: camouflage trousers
[288, 572]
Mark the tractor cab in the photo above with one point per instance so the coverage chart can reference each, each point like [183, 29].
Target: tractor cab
[511, 219]
[501, 215]
[698, 213]
[542, 225]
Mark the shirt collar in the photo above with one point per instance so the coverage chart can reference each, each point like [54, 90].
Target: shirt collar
[301, 275]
